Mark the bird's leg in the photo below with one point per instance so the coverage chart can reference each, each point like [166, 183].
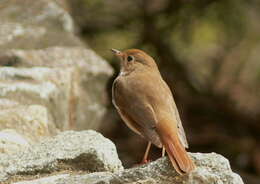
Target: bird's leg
[144, 161]
[163, 151]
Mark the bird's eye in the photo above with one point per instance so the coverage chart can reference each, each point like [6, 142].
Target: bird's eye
[130, 58]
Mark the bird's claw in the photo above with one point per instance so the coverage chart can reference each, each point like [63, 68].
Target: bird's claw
[145, 161]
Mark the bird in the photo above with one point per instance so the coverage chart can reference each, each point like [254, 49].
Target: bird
[146, 104]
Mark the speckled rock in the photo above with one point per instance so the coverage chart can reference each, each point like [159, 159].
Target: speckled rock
[34, 24]
[11, 142]
[6, 103]
[211, 168]
[45, 180]
[86, 151]
[49, 65]
[29, 121]
[49, 87]
[70, 82]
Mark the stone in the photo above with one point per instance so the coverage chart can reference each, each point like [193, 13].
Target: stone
[30, 24]
[6, 103]
[86, 151]
[44, 180]
[211, 167]
[43, 62]
[40, 85]
[11, 142]
[160, 171]
[70, 82]
[29, 121]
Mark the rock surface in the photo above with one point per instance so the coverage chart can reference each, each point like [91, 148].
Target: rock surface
[11, 142]
[69, 158]
[38, 85]
[30, 121]
[86, 151]
[43, 62]
[30, 24]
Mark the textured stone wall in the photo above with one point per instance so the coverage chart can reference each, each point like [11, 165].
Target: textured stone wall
[49, 80]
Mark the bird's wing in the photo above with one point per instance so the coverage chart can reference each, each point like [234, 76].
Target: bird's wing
[138, 115]
[180, 128]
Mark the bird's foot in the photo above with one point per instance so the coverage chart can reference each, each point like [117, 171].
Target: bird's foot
[145, 161]
[142, 163]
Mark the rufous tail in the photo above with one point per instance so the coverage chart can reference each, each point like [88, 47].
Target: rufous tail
[179, 157]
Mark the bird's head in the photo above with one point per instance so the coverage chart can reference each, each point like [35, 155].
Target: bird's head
[134, 59]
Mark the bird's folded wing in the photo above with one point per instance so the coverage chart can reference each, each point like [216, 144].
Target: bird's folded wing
[181, 132]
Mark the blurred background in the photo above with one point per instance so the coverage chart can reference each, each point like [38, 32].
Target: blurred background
[208, 51]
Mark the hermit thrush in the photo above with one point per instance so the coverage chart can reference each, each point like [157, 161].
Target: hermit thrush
[145, 103]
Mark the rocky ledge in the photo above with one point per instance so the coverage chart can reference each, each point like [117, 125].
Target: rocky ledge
[87, 157]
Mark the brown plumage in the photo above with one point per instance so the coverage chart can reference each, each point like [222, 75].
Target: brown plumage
[145, 103]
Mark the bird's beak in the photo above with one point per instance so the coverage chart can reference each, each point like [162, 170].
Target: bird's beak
[117, 53]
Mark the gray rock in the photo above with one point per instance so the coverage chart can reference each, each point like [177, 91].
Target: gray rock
[37, 24]
[70, 82]
[211, 168]
[43, 62]
[11, 141]
[6, 103]
[45, 180]
[86, 151]
[40, 85]
[29, 121]
[42, 12]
